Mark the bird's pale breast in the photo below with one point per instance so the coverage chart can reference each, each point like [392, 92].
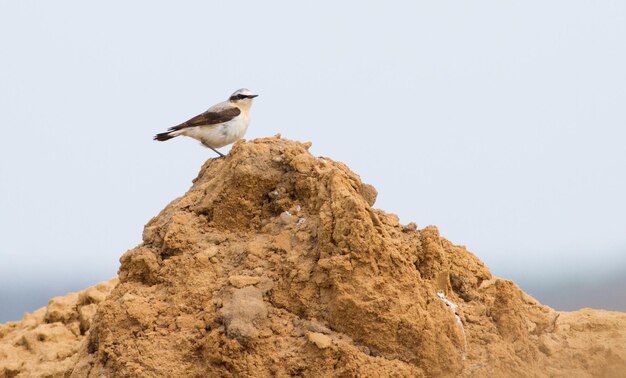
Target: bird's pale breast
[217, 136]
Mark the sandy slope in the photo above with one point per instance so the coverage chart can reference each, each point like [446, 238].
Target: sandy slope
[275, 264]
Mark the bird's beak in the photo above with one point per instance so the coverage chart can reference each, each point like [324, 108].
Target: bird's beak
[252, 96]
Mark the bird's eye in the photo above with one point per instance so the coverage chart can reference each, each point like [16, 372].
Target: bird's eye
[241, 96]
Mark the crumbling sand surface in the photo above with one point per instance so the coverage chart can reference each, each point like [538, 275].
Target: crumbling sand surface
[46, 342]
[274, 263]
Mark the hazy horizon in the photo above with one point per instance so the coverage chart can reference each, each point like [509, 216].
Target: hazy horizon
[501, 123]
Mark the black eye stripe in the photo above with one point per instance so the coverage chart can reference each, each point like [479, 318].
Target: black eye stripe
[239, 97]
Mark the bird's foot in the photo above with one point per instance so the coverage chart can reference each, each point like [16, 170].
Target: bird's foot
[217, 152]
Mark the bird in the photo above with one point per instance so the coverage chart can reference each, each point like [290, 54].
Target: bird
[221, 125]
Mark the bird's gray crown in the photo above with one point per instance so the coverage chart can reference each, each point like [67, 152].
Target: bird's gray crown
[241, 94]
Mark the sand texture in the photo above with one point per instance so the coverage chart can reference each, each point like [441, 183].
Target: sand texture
[275, 264]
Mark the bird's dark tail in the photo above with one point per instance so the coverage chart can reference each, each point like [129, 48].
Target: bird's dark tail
[163, 137]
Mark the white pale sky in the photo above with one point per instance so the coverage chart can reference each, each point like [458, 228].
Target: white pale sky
[501, 122]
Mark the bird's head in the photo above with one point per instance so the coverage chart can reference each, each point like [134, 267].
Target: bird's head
[242, 97]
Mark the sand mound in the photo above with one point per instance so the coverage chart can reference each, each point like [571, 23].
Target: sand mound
[46, 342]
[274, 263]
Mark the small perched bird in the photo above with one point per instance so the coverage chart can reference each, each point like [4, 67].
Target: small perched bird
[220, 125]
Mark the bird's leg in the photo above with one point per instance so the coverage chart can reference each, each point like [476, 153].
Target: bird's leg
[219, 153]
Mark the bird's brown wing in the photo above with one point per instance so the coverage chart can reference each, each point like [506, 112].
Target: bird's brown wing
[209, 118]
